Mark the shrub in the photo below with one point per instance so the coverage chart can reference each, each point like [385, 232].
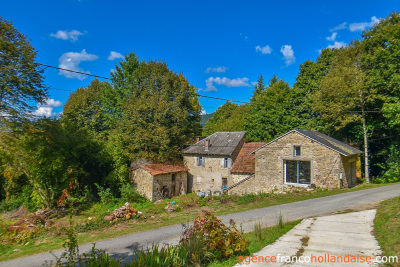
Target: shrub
[220, 240]
[129, 194]
[105, 195]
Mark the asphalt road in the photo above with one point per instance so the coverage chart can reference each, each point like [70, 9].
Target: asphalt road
[125, 245]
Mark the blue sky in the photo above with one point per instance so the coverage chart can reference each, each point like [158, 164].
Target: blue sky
[221, 47]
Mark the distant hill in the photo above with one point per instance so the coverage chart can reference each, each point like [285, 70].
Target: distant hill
[205, 118]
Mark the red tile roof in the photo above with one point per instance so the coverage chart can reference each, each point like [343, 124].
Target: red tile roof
[156, 169]
[245, 161]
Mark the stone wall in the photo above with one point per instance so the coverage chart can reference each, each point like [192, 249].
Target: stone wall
[327, 166]
[151, 186]
[208, 177]
[173, 187]
[237, 177]
[143, 181]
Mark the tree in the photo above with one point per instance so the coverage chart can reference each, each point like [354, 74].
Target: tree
[21, 80]
[162, 114]
[259, 87]
[307, 83]
[228, 117]
[271, 112]
[343, 97]
[53, 155]
[86, 108]
[123, 83]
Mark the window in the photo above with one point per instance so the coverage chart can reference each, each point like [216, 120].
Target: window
[297, 151]
[224, 182]
[200, 161]
[173, 177]
[226, 163]
[297, 172]
[198, 179]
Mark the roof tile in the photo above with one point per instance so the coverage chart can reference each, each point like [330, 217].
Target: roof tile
[245, 161]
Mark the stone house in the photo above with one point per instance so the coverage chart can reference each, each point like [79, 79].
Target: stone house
[301, 158]
[210, 160]
[158, 181]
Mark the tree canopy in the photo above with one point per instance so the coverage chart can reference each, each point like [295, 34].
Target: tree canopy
[21, 79]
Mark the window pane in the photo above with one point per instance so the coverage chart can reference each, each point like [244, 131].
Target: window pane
[304, 172]
[291, 171]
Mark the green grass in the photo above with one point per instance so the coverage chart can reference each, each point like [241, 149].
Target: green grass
[155, 217]
[387, 227]
[270, 235]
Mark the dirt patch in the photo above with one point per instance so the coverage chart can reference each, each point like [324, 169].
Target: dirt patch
[15, 214]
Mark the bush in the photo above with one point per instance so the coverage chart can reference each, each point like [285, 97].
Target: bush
[23, 199]
[220, 240]
[129, 194]
[105, 195]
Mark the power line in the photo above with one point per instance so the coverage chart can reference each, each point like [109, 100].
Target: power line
[74, 71]
[211, 97]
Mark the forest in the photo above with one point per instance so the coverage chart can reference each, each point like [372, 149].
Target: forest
[149, 113]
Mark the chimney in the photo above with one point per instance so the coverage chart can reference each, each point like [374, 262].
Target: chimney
[197, 139]
[207, 144]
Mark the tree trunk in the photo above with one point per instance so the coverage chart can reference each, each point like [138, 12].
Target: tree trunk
[366, 153]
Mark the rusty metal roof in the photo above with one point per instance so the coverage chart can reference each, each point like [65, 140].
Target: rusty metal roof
[221, 144]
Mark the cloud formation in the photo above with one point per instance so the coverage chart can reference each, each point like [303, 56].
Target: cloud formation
[288, 54]
[67, 35]
[238, 82]
[264, 50]
[203, 112]
[46, 109]
[71, 61]
[360, 26]
[332, 37]
[337, 45]
[339, 27]
[216, 69]
[114, 55]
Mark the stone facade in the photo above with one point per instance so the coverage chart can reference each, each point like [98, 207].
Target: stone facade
[329, 169]
[155, 187]
[208, 177]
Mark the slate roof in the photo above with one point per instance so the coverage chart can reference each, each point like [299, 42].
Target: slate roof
[221, 144]
[324, 140]
[156, 169]
[245, 162]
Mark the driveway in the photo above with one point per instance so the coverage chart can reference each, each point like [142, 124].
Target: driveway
[324, 241]
[124, 245]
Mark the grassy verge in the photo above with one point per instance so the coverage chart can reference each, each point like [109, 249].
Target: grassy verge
[268, 236]
[387, 227]
[91, 227]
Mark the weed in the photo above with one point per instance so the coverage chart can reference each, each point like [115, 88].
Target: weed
[280, 220]
[258, 230]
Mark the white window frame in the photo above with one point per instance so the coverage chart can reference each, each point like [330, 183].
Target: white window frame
[200, 161]
[297, 184]
[295, 150]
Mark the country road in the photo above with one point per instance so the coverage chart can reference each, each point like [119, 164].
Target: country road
[123, 246]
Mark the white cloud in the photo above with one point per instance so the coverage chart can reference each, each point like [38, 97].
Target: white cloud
[114, 55]
[44, 112]
[339, 27]
[216, 69]
[337, 45]
[67, 35]
[52, 103]
[203, 112]
[46, 109]
[332, 37]
[264, 50]
[288, 54]
[360, 26]
[71, 61]
[238, 82]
